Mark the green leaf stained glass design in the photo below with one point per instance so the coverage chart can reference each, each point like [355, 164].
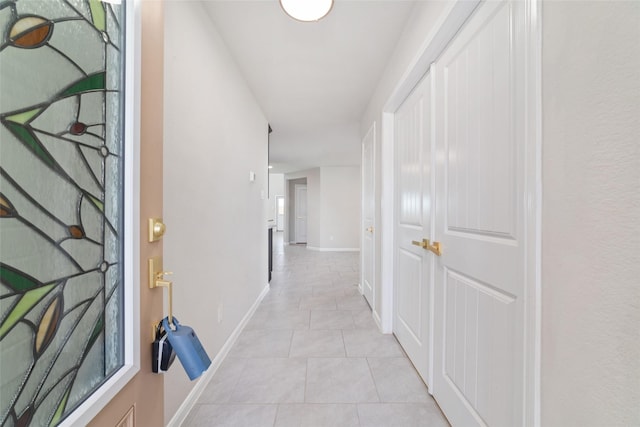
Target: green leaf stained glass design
[61, 205]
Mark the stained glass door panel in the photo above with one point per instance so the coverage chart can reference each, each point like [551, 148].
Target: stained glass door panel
[61, 205]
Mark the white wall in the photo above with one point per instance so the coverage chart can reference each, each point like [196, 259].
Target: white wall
[421, 23]
[591, 214]
[215, 133]
[339, 207]
[336, 145]
[333, 207]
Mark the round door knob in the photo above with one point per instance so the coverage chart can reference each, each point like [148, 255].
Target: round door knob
[156, 229]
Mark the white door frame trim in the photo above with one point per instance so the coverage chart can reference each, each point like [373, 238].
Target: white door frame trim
[444, 31]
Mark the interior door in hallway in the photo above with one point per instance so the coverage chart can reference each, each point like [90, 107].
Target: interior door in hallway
[279, 213]
[414, 224]
[479, 365]
[368, 216]
[301, 213]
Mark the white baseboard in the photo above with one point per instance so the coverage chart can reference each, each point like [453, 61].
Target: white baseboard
[183, 411]
[376, 318]
[313, 248]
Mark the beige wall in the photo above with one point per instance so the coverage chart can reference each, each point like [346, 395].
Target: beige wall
[145, 390]
[215, 134]
[591, 214]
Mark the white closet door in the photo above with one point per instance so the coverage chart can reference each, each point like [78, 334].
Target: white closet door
[480, 277]
[301, 213]
[368, 216]
[413, 263]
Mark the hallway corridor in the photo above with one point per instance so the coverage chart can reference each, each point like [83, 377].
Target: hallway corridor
[312, 356]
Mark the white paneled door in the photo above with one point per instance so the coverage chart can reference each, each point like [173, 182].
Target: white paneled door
[279, 213]
[301, 213]
[414, 264]
[479, 363]
[368, 216]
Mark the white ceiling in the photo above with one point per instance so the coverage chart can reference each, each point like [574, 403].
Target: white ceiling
[312, 80]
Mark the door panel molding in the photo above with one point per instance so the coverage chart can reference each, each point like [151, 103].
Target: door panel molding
[474, 140]
[409, 309]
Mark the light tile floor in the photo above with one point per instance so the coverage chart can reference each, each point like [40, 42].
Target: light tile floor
[313, 356]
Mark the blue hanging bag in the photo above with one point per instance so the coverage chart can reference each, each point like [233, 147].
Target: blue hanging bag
[188, 348]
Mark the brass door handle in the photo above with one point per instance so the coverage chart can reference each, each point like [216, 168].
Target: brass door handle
[169, 285]
[156, 280]
[426, 244]
[370, 229]
[435, 248]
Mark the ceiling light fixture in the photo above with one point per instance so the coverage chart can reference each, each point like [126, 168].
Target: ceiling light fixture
[307, 10]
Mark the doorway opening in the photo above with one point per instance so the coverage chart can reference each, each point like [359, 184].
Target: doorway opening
[300, 218]
[297, 212]
[279, 213]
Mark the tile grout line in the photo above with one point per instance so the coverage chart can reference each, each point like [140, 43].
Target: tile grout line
[306, 380]
[373, 378]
